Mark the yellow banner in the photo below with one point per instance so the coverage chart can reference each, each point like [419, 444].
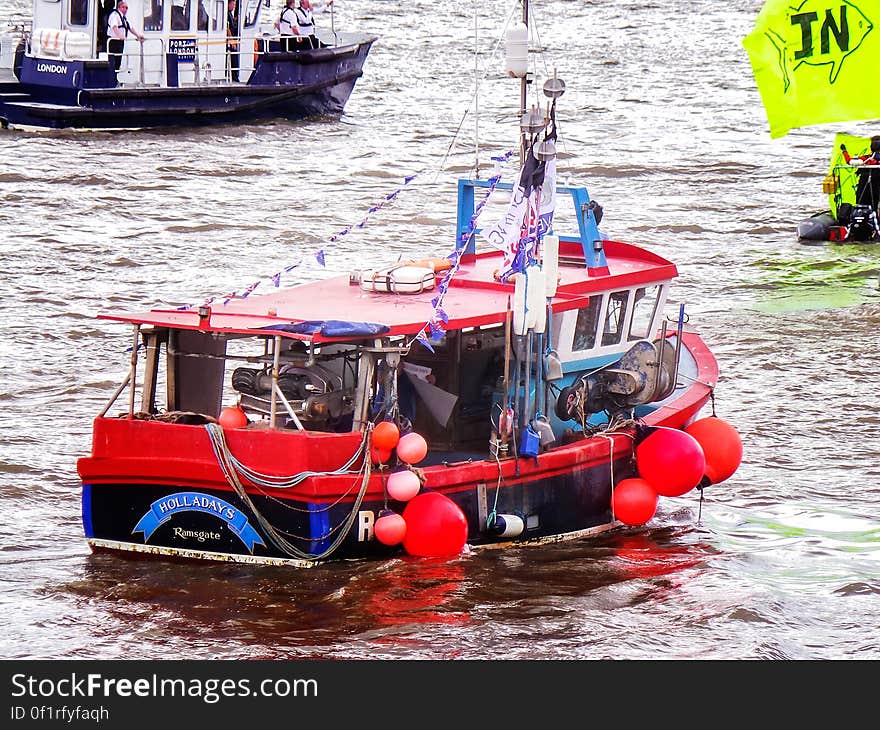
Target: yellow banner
[843, 177]
[816, 61]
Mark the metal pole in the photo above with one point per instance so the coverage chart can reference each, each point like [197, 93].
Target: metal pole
[134, 360]
[115, 395]
[523, 84]
[476, 97]
[275, 363]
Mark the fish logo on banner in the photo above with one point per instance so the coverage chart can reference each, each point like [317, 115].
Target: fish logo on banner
[163, 509]
[815, 62]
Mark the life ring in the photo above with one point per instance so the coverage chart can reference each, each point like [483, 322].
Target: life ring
[256, 51]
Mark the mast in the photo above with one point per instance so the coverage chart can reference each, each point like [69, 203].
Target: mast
[523, 84]
[476, 95]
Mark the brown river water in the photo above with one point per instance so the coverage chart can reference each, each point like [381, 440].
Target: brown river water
[662, 121]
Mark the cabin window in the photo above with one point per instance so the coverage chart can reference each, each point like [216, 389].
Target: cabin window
[203, 17]
[79, 12]
[585, 327]
[644, 306]
[251, 13]
[614, 317]
[154, 15]
[219, 14]
[179, 14]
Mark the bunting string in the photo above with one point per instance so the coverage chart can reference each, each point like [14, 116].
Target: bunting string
[318, 255]
[434, 328]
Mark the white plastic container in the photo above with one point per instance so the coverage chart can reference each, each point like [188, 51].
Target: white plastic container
[516, 60]
[520, 322]
[67, 45]
[76, 46]
[50, 42]
[550, 263]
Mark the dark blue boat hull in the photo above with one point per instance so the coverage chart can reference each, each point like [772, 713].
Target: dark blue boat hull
[119, 517]
[83, 94]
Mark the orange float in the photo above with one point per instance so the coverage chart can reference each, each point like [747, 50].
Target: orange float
[233, 417]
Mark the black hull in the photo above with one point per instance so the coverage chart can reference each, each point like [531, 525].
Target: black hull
[824, 227]
[123, 517]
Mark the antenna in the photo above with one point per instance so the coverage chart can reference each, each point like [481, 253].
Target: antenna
[476, 96]
[524, 82]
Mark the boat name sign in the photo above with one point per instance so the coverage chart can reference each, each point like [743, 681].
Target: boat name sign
[52, 68]
[162, 509]
[185, 48]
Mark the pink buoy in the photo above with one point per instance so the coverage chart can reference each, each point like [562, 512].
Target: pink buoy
[233, 417]
[412, 448]
[671, 461]
[435, 526]
[403, 485]
[390, 528]
[634, 501]
[721, 446]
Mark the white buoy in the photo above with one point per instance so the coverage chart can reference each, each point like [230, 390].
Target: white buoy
[520, 322]
[537, 302]
[516, 61]
[551, 263]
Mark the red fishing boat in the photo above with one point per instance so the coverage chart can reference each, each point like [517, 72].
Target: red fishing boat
[526, 390]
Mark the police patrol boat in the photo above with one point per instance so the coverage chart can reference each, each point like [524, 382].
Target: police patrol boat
[525, 390]
[191, 68]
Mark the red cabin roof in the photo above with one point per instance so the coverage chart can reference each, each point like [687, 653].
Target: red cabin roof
[473, 298]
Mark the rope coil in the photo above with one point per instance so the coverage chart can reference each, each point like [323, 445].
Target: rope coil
[231, 468]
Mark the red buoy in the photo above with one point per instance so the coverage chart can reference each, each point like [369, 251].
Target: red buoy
[435, 526]
[233, 417]
[721, 445]
[386, 434]
[671, 461]
[390, 528]
[634, 501]
[379, 456]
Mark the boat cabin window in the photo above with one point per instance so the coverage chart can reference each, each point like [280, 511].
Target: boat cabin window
[586, 325]
[219, 15]
[79, 12]
[625, 315]
[614, 317]
[154, 15]
[202, 17]
[180, 14]
[644, 308]
[252, 12]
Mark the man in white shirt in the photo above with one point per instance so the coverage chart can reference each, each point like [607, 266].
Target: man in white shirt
[118, 29]
[299, 21]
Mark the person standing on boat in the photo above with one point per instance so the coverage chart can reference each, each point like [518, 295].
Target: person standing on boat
[118, 29]
[868, 189]
[305, 18]
[232, 38]
[299, 21]
[287, 25]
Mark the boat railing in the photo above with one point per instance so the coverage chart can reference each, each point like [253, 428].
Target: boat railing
[149, 65]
